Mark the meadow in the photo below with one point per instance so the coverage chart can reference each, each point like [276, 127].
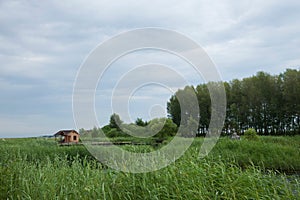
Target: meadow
[37, 168]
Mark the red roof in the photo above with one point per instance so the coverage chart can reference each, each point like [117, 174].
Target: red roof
[65, 132]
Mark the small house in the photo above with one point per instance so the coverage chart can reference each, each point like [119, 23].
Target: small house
[67, 136]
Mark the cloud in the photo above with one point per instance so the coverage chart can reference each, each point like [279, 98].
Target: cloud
[43, 45]
[32, 125]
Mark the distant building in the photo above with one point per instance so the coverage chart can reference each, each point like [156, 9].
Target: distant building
[67, 136]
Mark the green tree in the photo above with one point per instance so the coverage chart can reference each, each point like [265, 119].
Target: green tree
[115, 121]
[173, 109]
[106, 129]
[162, 127]
[81, 131]
[95, 132]
[182, 105]
[267, 103]
[236, 108]
[190, 129]
[205, 108]
[113, 133]
[140, 122]
[291, 95]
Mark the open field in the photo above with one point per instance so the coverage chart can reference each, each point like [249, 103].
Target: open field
[263, 169]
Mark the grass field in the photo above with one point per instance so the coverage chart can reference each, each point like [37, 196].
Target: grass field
[263, 169]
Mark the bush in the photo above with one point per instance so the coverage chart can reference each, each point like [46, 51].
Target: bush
[113, 133]
[116, 133]
[251, 134]
[106, 129]
[163, 127]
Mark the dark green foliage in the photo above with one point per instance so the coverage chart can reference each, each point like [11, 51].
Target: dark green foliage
[163, 127]
[112, 133]
[190, 129]
[106, 129]
[115, 133]
[268, 103]
[187, 98]
[115, 121]
[140, 122]
[173, 108]
[158, 127]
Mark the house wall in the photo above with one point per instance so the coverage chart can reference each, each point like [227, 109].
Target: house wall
[67, 138]
[70, 137]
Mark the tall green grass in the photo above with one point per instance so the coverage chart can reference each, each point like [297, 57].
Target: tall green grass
[269, 152]
[39, 169]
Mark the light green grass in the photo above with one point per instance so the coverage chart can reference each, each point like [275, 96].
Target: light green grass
[39, 169]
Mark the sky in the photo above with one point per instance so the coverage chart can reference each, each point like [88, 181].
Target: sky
[44, 43]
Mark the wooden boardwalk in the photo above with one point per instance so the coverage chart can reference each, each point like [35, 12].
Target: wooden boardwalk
[115, 143]
[108, 143]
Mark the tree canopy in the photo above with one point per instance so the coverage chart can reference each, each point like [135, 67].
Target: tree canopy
[267, 103]
[115, 121]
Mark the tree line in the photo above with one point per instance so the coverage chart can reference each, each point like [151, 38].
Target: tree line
[270, 104]
[157, 128]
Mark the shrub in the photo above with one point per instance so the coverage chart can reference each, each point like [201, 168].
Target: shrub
[113, 133]
[251, 134]
[106, 129]
[163, 127]
[116, 133]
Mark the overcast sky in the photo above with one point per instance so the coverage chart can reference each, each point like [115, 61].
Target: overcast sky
[43, 44]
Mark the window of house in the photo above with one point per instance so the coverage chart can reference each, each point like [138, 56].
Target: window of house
[74, 137]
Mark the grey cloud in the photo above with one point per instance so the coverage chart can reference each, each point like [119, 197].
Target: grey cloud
[44, 43]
